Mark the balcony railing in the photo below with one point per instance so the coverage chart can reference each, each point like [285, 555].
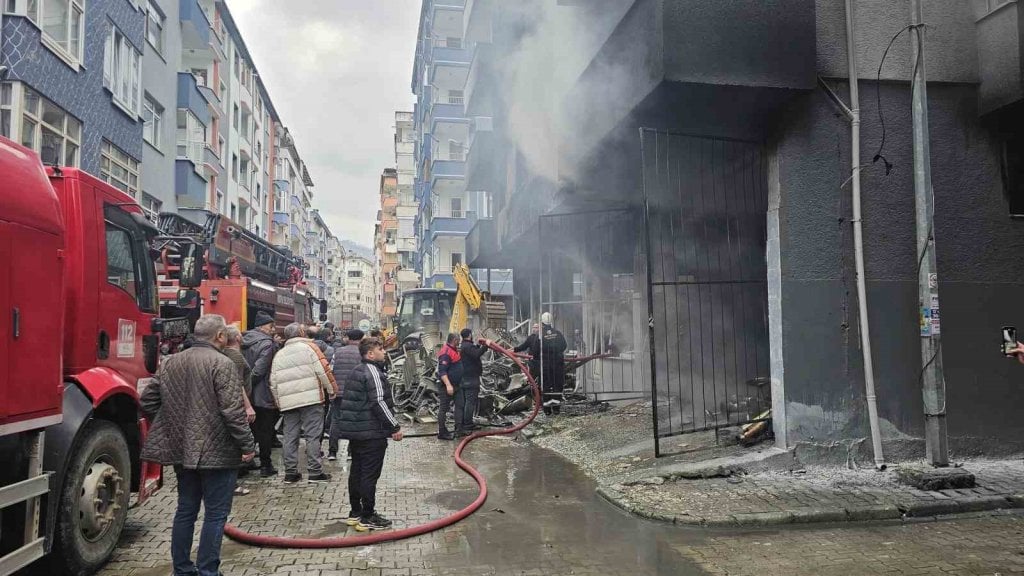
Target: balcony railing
[459, 100]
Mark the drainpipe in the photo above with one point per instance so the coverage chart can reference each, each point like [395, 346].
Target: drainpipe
[858, 241]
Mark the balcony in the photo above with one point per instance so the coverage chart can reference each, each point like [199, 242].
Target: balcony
[212, 100]
[1000, 52]
[191, 99]
[482, 245]
[447, 169]
[293, 230]
[195, 26]
[481, 85]
[483, 160]
[444, 51]
[723, 68]
[455, 227]
[189, 187]
[211, 162]
[477, 18]
[282, 218]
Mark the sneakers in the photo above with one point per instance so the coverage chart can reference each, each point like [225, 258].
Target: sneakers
[373, 522]
[447, 436]
[268, 472]
[353, 518]
[332, 456]
[292, 478]
[321, 477]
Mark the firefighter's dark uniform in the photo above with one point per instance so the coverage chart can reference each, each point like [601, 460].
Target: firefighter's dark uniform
[551, 368]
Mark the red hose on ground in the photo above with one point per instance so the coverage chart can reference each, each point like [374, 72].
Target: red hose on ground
[239, 535]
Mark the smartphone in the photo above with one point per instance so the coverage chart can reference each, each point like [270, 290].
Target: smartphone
[1009, 340]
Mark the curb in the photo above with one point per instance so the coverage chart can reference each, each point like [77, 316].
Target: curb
[868, 513]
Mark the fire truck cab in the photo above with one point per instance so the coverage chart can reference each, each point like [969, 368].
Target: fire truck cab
[78, 316]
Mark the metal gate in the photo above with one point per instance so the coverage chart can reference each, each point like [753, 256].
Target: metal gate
[591, 280]
[705, 207]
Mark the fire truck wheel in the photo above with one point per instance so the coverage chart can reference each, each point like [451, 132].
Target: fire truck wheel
[94, 500]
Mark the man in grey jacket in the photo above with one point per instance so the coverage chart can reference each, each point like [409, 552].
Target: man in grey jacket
[346, 358]
[199, 428]
[258, 347]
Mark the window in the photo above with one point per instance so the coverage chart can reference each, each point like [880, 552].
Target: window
[234, 117]
[201, 76]
[152, 121]
[456, 259]
[456, 207]
[221, 147]
[62, 25]
[155, 27]
[151, 206]
[238, 65]
[233, 211]
[355, 273]
[455, 97]
[223, 91]
[234, 167]
[119, 169]
[49, 130]
[121, 71]
[456, 151]
[245, 128]
[121, 260]
[6, 108]
[191, 137]
[244, 173]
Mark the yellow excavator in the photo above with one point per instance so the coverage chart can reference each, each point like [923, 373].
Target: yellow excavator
[430, 313]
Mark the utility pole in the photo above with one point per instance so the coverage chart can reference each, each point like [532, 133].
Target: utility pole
[932, 377]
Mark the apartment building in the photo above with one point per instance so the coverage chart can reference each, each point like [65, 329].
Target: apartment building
[451, 198]
[318, 241]
[405, 163]
[360, 289]
[385, 245]
[72, 89]
[293, 194]
[335, 280]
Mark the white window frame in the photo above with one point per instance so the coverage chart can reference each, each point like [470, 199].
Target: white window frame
[109, 160]
[7, 108]
[151, 205]
[70, 48]
[152, 121]
[190, 144]
[122, 72]
[452, 211]
[155, 18]
[23, 120]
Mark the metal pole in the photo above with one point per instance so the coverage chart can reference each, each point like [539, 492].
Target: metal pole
[932, 378]
[650, 301]
[858, 242]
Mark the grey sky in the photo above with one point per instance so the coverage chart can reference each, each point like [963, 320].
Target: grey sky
[337, 70]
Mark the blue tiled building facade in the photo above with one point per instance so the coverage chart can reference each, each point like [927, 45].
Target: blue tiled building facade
[76, 89]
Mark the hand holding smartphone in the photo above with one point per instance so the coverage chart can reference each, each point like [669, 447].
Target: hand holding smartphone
[1010, 344]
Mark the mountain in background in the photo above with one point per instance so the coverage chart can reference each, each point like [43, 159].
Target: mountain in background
[351, 246]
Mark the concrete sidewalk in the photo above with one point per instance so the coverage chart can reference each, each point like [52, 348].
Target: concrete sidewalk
[712, 482]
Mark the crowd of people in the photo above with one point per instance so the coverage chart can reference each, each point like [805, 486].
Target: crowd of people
[215, 408]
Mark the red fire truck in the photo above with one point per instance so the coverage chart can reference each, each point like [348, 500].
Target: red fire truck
[79, 339]
[242, 274]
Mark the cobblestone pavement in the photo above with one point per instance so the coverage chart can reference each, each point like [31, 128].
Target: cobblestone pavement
[543, 517]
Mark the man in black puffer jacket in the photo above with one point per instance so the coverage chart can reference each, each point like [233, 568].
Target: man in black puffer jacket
[367, 421]
[346, 359]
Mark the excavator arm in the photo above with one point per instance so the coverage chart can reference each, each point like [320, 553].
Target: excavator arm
[470, 299]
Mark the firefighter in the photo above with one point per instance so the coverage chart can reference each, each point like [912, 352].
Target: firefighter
[449, 393]
[552, 351]
[472, 370]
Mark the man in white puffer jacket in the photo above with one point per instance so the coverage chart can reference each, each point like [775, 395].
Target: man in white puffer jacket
[301, 382]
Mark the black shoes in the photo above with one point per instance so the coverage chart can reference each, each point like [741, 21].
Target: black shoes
[332, 456]
[445, 436]
[373, 522]
[292, 478]
[321, 477]
[268, 472]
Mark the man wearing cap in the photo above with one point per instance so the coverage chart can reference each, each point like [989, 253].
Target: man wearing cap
[346, 359]
[259, 348]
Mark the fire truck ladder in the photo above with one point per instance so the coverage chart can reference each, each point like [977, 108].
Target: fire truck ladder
[29, 491]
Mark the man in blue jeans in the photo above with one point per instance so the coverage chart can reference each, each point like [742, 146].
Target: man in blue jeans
[199, 428]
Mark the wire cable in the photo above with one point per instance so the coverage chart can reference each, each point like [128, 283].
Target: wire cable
[878, 87]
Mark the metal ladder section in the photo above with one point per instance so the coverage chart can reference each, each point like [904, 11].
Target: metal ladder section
[30, 491]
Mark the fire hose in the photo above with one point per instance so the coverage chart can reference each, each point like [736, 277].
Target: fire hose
[241, 536]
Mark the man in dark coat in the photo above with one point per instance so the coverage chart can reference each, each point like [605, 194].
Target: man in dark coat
[367, 421]
[258, 347]
[199, 428]
[449, 391]
[472, 370]
[346, 359]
